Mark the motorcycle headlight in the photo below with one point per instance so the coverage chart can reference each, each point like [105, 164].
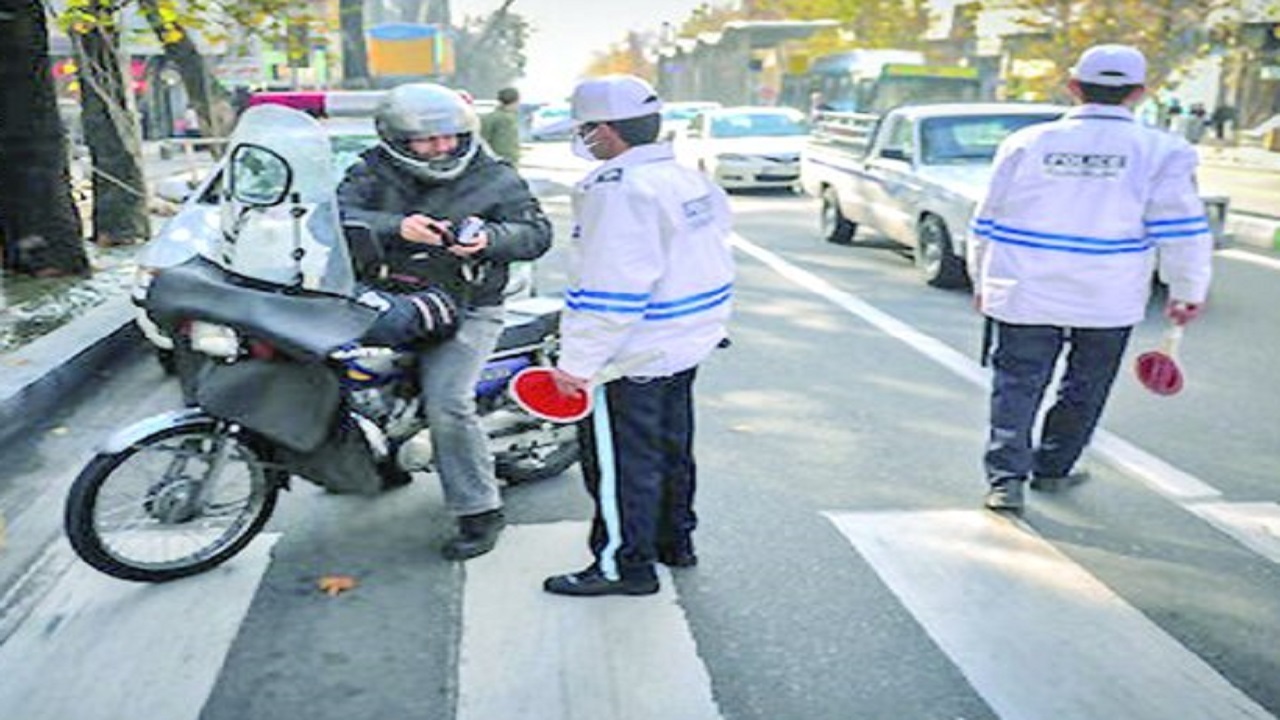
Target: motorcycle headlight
[214, 340]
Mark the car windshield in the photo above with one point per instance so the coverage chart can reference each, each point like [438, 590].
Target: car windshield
[682, 112]
[761, 124]
[970, 140]
[549, 115]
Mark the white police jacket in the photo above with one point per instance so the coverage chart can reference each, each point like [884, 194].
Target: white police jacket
[1079, 212]
[651, 275]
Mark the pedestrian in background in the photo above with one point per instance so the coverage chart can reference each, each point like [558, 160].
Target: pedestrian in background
[1049, 275]
[1197, 122]
[650, 290]
[190, 122]
[1221, 116]
[501, 128]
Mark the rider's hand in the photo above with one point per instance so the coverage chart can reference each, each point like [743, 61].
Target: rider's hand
[569, 384]
[420, 228]
[479, 242]
[977, 302]
[1182, 312]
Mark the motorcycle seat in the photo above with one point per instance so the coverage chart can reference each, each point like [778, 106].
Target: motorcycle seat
[528, 322]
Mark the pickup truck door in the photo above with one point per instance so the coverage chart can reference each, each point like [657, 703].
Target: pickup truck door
[891, 181]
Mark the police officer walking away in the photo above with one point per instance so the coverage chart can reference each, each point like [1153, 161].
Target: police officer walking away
[650, 291]
[415, 189]
[1079, 213]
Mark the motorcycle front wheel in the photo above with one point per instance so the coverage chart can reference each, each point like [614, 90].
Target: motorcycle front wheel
[175, 503]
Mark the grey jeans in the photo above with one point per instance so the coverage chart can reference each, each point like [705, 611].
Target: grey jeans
[449, 373]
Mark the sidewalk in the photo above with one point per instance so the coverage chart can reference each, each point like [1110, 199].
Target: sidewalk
[1239, 156]
[1251, 229]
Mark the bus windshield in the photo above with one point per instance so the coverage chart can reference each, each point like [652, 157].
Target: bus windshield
[890, 92]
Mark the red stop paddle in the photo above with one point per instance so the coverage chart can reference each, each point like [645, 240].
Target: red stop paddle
[534, 389]
[1158, 370]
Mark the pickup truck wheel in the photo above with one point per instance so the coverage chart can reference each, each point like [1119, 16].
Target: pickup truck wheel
[833, 225]
[935, 257]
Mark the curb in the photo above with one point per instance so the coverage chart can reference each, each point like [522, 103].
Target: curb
[39, 377]
[1254, 231]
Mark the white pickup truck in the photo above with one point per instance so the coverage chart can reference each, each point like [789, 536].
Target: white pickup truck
[913, 175]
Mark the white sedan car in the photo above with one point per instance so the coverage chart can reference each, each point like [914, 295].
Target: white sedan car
[746, 147]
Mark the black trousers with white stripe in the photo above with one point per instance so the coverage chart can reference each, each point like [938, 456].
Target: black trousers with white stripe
[637, 460]
[1024, 360]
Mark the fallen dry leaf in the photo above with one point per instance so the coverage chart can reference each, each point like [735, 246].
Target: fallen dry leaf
[333, 585]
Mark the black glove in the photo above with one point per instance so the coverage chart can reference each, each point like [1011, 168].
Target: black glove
[409, 318]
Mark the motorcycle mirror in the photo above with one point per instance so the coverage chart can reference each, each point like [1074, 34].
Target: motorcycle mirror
[259, 176]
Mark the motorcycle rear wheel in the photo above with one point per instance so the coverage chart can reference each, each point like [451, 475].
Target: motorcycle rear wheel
[144, 513]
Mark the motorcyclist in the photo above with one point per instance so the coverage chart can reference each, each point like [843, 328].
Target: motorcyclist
[415, 189]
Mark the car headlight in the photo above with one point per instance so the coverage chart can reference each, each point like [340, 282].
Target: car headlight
[733, 157]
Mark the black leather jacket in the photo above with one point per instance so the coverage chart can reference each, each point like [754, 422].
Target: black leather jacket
[379, 193]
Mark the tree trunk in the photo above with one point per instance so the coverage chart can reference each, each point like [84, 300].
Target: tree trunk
[355, 65]
[111, 131]
[39, 226]
[211, 100]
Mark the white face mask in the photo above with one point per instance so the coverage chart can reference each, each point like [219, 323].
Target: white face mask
[582, 145]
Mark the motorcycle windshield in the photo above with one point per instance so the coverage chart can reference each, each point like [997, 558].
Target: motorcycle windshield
[279, 219]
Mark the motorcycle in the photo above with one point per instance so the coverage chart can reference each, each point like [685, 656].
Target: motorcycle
[278, 380]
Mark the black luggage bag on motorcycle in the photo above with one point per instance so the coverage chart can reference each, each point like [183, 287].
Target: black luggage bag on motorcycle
[287, 394]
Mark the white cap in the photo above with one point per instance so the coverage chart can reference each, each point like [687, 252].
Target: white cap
[1112, 65]
[613, 97]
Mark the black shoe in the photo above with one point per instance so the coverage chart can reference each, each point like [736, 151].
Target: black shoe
[591, 582]
[677, 558]
[477, 535]
[1054, 483]
[1005, 495]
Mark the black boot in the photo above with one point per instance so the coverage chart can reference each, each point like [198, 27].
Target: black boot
[477, 535]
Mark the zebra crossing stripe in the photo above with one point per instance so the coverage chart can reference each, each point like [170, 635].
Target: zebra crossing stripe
[1035, 634]
[96, 648]
[606, 658]
[1255, 524]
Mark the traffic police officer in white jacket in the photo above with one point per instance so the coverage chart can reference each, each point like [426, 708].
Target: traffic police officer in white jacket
[650, 292]
[1079, 213]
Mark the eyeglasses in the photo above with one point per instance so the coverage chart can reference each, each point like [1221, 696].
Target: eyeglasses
[587, 127]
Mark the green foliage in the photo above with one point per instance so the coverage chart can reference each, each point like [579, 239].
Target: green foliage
[1169, 32]
[217, 20]
[490, 52]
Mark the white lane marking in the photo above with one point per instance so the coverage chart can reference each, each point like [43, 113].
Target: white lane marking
[96, 648]
[1154, 472]
[609, 658]
[1263, 260]
[1256, 525]
[1012, 612]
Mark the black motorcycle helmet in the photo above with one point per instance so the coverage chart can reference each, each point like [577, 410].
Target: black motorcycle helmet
[420, 110]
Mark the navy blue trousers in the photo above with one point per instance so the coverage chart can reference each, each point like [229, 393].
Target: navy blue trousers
[637, 461]
[1023, 364]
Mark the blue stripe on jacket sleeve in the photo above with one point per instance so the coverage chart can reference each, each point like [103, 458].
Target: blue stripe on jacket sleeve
[1176, 221]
